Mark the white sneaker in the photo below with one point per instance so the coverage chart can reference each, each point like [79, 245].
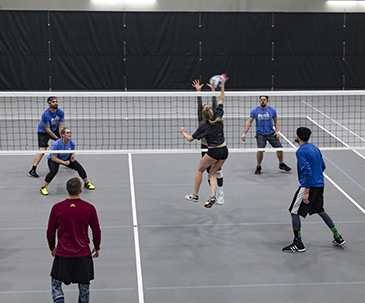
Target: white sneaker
[220, 198]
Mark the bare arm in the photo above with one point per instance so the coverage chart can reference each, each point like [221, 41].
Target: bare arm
[59, 161]
[276, 125]
[60, 126]
[186, 136]
[198, 87]
[247, 127]
[51, 133]
[224, 79]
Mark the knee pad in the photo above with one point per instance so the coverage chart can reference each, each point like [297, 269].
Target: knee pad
[219, 174]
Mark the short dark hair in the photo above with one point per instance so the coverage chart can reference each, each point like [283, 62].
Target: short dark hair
[73, 186]
[304, 133]
[63, 130]
[267, 97]
[49, 100]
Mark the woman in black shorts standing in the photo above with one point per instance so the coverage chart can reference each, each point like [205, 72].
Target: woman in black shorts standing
[212, 131]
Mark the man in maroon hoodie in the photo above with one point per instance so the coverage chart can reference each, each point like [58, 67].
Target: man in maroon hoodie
[72, 255]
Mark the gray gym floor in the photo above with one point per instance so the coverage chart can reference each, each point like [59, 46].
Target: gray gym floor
[230, 253]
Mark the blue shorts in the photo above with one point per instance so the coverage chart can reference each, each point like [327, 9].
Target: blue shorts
[262, 139]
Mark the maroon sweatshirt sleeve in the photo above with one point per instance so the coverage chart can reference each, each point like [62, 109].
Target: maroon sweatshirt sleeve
[95, 228]
[51, 230]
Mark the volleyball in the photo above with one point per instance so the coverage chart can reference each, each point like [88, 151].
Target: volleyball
[215, 81]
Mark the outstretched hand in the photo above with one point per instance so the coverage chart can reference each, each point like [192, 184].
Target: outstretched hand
[182, 130]
[211, 87]
[224, 78]
[197, 85]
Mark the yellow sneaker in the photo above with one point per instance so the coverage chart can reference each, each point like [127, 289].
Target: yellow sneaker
[44, 191]
[89, 186]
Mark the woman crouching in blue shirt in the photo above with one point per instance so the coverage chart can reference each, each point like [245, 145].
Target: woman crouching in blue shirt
[67, 159]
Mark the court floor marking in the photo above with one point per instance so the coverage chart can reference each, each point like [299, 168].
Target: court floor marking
[335, 184]
[194, 225]
[333, 120]
[338, 139]
[259, 285]
[135, 231]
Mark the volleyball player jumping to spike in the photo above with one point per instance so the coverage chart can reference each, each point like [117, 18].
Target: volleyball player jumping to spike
[212, 131]
[219, 175]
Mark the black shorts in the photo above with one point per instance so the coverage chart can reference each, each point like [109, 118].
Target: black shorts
[73, 270]
[315, 205]
[43, 138]
[218, 153]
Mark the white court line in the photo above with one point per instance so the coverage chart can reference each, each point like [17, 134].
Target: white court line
[135, 231]
[338, 139]
[335, 184]
[338, 123]
[333, 120]
[286, 139]
[257, 285]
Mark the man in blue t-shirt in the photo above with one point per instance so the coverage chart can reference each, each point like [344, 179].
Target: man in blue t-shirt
[308, 199]
[48, 128]
[265, 131]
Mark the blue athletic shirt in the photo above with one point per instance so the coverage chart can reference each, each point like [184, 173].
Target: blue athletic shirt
[59, 145]
[310, 166]
[51, 119]
[264, 125]
[213, 133]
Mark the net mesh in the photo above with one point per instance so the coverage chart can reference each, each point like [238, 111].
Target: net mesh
[152, 120]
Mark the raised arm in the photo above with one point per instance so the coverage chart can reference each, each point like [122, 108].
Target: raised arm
[198, 87]
[224, 79]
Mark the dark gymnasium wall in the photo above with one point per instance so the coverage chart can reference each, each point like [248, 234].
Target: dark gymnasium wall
[61, 50]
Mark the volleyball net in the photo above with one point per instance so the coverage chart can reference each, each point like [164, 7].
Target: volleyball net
[124, 121]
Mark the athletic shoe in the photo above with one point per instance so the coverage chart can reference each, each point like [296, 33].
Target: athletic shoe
[33, 174]
[89, 186]
[192, 198]
[285, 167]
[210, 202]
[294, 247]
[220, 199]
[44, 191]
[338, 241]
[258, 170]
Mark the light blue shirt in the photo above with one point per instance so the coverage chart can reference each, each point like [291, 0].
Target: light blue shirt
[59, 145]
[264, 117]
[51, 119]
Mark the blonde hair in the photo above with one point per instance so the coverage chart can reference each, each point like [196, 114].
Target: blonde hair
[208, 115]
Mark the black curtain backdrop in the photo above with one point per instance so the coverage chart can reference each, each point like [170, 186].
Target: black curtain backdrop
[60, 50]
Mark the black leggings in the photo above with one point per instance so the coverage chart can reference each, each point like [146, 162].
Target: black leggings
[53, 169]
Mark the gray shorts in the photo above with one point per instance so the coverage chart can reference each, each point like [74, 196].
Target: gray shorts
[262, 139]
